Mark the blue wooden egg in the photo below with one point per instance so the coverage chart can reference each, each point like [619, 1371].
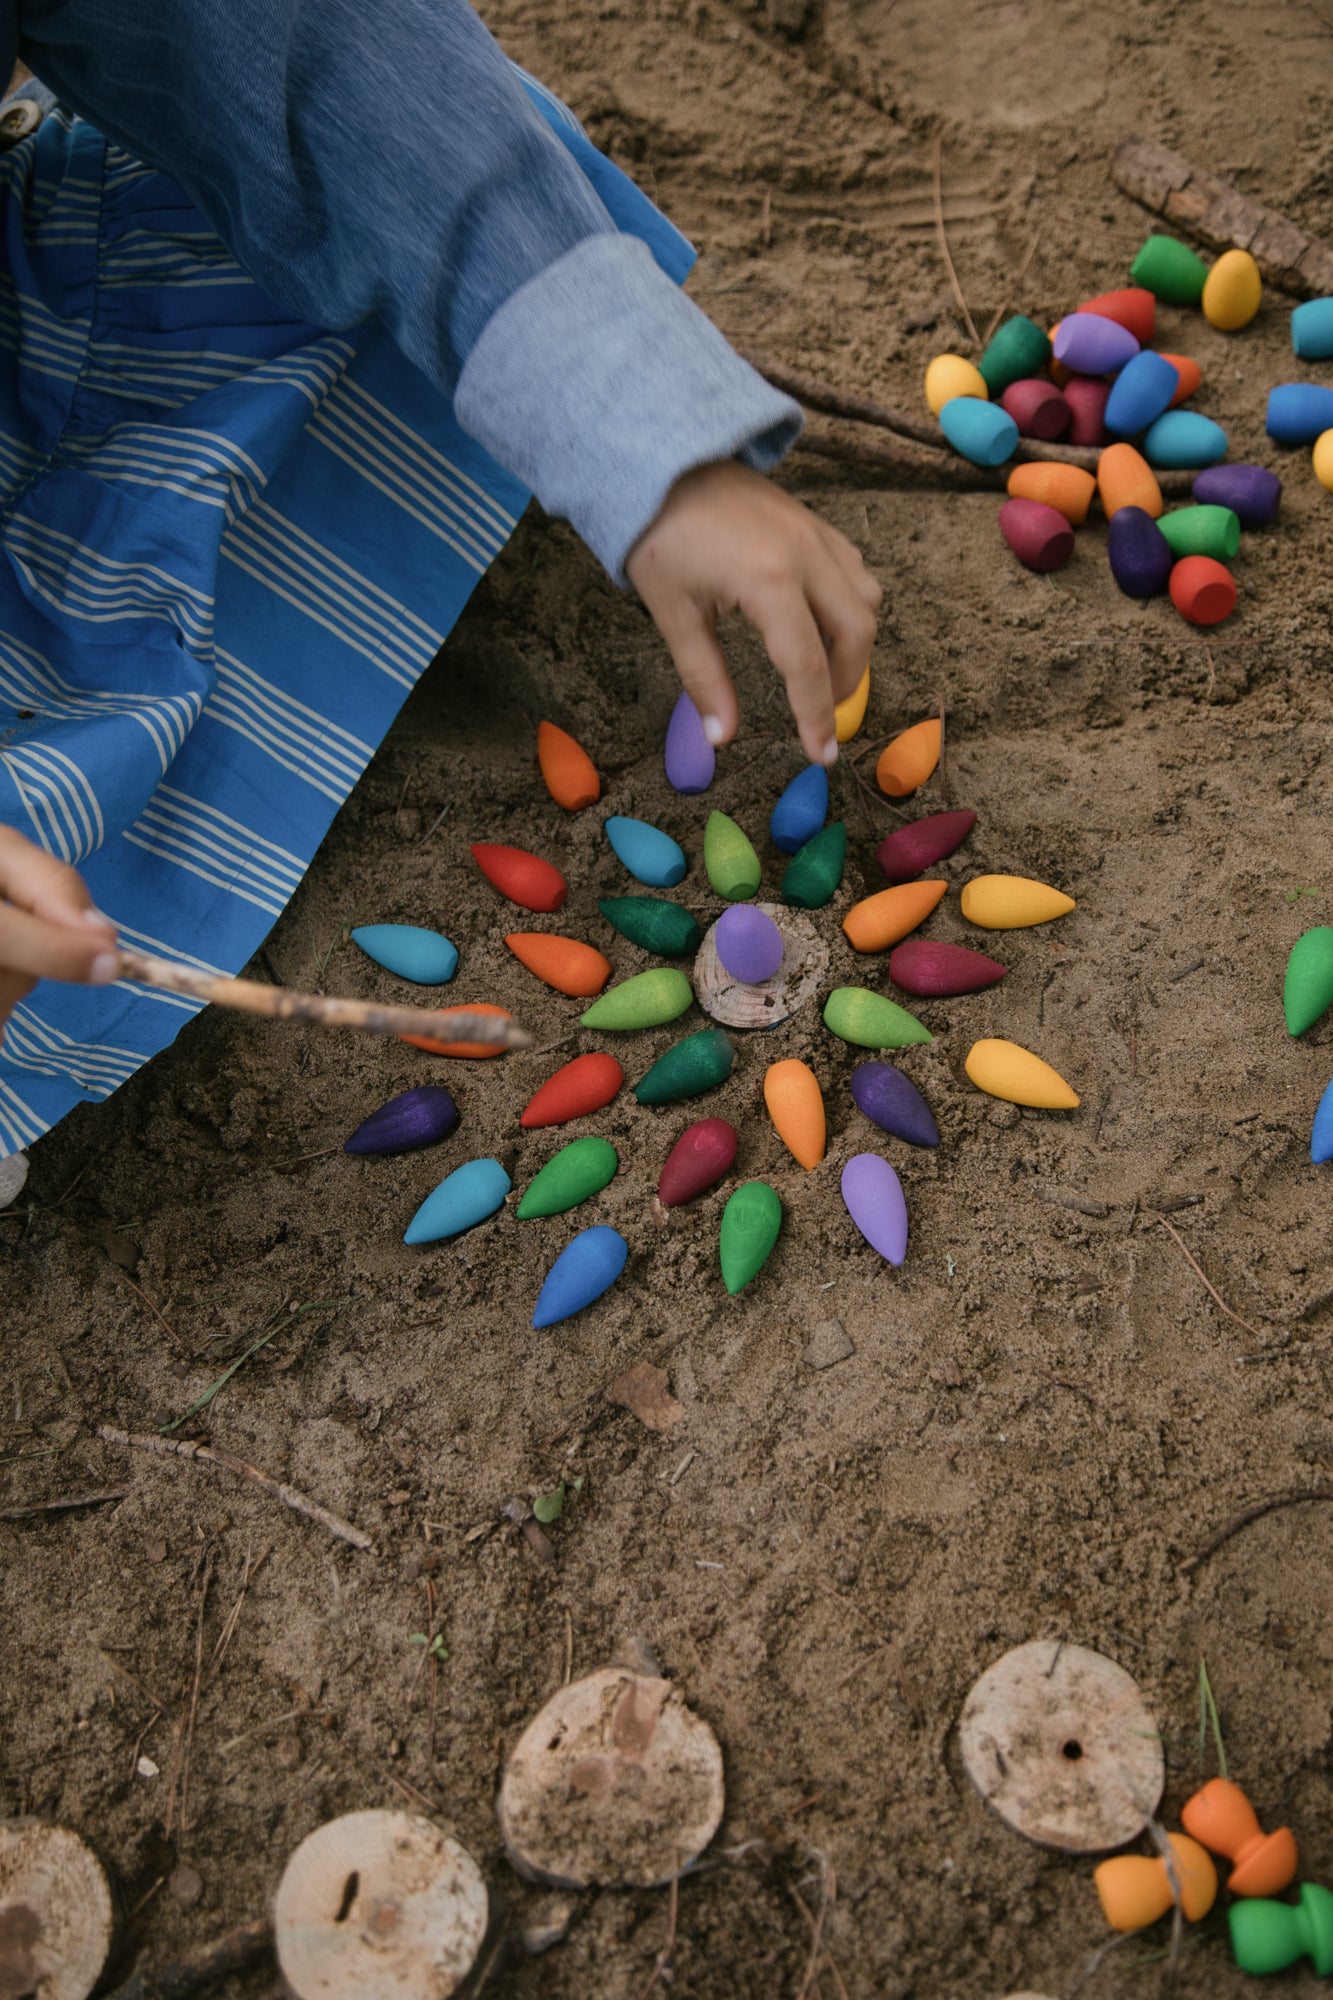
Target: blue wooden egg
[802, 809]
[689, 759]
[748, 943]
[1140, 393]
[981, 431]
[1184, 438]
[1299, 412]
[465, 1197]
[584, 1269]
[1312, 329]
[651, 856]
[416, 954]
[1321, 1138]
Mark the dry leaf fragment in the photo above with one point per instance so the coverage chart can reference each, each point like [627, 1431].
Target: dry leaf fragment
[643, 1390]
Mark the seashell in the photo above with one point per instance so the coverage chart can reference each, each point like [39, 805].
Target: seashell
[562, 962]
[570, 774]
[812, 875]
[892, 1101]
[1133, 307]
[949, 375]
[1190, 373]
[645, 1001]
[414, 1118]
[874, 1197]
[1039, 536]
[1003, 1069]
[523, 878]
[651, 856]
[585, 1269]
[736, 1004]
[939, 971]
[848, 715]
[586, 1084]
[1170, 271]
[1125, 479]
[913, 848]
[478, 1050]
[1307, 989]
[750, 1224]
[1012, 902]
[1037, 407]
[1067, 488]
[689, 758]
[657, 925]
[688, 1068]
[880, 920]
[1184, 438]
[1091, 344]
[1299, 412]
[1202, 590]
[871, 1021]
[1321, 1134]
[13, 1177]
[1312, 329]
[981, 432]
[1202, 530]
[1139, 553]
[1142, 390]
[802, 809]
[579, 1170]
[748, 943]
[703, 1153]
[907, 762]
[1252, 492]
[1020, 347]
[1232, 292]
[420, 955]
[730, 861]
[796, 1106]
[1087, 400]
[465, 1197]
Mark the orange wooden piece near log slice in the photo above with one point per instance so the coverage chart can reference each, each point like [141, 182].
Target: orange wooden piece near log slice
[563, 962]
[478, 1049]
[880, 920]
[796, 1106]
[911, 757]
[1190, 373]
[570, 774]
[1125, 479]
[1067, 488]
[1222, 1818]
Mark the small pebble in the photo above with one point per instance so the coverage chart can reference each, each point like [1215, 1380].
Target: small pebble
[829, 1344]
[185, 1885]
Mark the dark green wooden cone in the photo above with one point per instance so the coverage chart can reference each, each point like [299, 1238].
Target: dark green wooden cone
[1019, 349]
[694, 1065]
[655, 924]
[582, 1168]
[1308, 988]
[750, 1224]
[731, 862]
[815, 870]
[1169, 270]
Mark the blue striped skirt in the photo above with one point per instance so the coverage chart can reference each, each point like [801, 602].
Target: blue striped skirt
[230, 545]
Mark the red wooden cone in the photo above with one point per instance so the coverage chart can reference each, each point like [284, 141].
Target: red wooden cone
[703, 1153]
[584, 1085]
[524, 878]
[935, 970]
[912, 849]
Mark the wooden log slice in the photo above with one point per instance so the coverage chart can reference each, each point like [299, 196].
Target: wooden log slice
[1058, 1740]
[615, 1783]
[378, 1905]
[56, 1914]
[797, 979]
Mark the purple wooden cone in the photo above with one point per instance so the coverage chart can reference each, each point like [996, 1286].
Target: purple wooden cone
[688, 757]
[1141, 557]
[912, 849]
[892, 1101]
[1252, 492]
[936, 971]
[749, 944]
[414, 1118]
[874, 1197]
[1091, 345]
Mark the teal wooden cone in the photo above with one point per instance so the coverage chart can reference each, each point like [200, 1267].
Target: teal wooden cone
[1268, 1937]
[1307, 990]
[870, 1021]
[654, 923]
[582, 1168]
[812, 875]
[645, 1001]
[730, 860]
[689, 1068]
[750, 1224]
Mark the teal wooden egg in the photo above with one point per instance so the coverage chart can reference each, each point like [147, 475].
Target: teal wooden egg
[1184, 438]
[981, 432]
[651, 856]
[423, 956]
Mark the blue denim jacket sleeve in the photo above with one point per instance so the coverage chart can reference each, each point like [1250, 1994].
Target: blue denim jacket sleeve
[384, 161]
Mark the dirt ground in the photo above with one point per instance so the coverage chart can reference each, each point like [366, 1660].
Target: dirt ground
[1045, 1416]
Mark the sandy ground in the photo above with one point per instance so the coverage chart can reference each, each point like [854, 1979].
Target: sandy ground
[1045, 1416]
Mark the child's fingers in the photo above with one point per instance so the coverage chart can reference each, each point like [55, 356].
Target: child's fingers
[791, 637]
[852, 563]
[40, 950]
[36, 881]
[693, 643]
[846, 620]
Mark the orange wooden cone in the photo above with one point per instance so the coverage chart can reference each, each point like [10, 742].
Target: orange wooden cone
[1067, 488]
[880, 920]
[796, 1106]
[911, 757]
[1135, 1890]
[477, 1049]
[1222, 1818]
[563, 962]
[570, 774]
[1190, 373]
[1125, 479]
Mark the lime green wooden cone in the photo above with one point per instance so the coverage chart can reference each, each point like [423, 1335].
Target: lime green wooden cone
[654, 923]
[689, 1068]
[1202, 531]
[871, 1021]
[750, 1224]
[731, 862]
[1308, 988]
[582, 1168]
[645, 1001]
[1268, 1937]
[1169, 270]
[815, 870]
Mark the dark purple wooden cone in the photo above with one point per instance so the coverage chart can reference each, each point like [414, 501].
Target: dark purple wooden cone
[1140, 555]
[918, 846]
[415, 1118]
[893, 1102]
[922, 966]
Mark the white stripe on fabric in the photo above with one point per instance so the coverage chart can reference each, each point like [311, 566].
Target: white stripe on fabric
[19, 1124]
[30, 681]
[164, 948]
[181, 453]
[297, 738]
[219, 849]
[178, 1000]
[66, 817]
[85, 584]
[33, 1044]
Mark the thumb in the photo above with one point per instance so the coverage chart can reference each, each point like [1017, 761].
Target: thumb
[692, 640]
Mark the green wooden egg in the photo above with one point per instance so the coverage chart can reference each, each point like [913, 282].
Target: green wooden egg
[582, 1168]
[1308, 988]
[645, 1001]
[688, 1068]
[1018, 350]
[1169, 270]
[654, 923]
[1202, 531]
[731, 862]
[812, 875]
[750, 1224]
[871, 1021]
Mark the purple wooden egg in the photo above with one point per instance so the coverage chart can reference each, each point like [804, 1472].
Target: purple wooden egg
[1037, 407]
[874, 1197]
[1140, 555]
[703, 1153]
[936, 971]
[1087, 410]
[913, 848]
[688, 756]
[1040, 537]
[414, 1118]
[1093, 345]
[749, 944]
[892, 1101]
[1252, 492]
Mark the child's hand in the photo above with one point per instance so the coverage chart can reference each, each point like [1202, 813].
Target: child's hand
[48, 926]
[727, 539]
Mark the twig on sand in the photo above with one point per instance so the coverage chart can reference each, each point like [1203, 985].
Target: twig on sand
[185, 1976]
[141, 1293]
[661, 1969]
[67, 1503]
[817, 1922]
[1256, 1513]
[216, 1455]
[180, 1767]
[943, 237]
[1019, 276]
[1198, 1268]
[912, 461]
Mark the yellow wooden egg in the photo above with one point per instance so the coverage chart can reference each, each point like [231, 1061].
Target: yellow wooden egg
[1003, 1069]
[850, 714]
[1323, 460]
[1012, 902]
[1232, 291]
[949, 375]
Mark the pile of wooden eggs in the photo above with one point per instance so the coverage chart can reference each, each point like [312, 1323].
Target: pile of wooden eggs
[1302, 412]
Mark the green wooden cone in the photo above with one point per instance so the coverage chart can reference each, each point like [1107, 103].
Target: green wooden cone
[1169, 270]
[581, 1168]
[654, 923]
[731, 862]
[687, 1069]
[815, 870]
[1308, 988]
[644, 1001]
[750, 1224]
[871, 1021]
[1268, 1937]
[1020, 348]
[1202, 531]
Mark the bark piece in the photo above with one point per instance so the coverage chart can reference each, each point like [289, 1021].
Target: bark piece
[645, 1390]
[56, 1913]
[1218, 213]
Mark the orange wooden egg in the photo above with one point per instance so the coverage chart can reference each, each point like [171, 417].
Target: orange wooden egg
[1135, 1889]
[880, 920]
[1067, 488]
[570, 774]
[1222, 1818]
[563, 962]
[1190, 373]
[911, 757]
[477, 1049]
[1125, 479]
[796, 1106]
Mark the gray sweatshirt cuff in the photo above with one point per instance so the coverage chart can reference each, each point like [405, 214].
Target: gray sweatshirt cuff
[598, 383]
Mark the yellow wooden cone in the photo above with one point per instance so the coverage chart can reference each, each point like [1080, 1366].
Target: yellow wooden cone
[1002, 1069]
[796, 1106]
[1012, 902]
[850, 714]
[911, 757]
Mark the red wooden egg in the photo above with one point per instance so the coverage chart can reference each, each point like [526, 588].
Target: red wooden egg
[912, 849]
[1132, 307]
[1038, 536]
[1086, 398]
[584, 1085]
[1037, 407]
[702, 1154]
[936, 970]
[524, 878]
[1202, 590]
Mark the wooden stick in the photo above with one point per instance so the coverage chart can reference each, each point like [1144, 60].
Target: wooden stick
[65, 1505]
[215, 1455]
[232, 1953]
[1220, 215]
[1199, 1270]
[821, 441]
[280, 1003]
[1256, 1513]
[943, 239]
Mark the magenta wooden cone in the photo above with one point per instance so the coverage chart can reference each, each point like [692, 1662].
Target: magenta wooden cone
[874, 1198]
[1037, 407]
[703, 1153]
[911, 849]
[1039, 536]
[1086, 399]
[924, 967]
